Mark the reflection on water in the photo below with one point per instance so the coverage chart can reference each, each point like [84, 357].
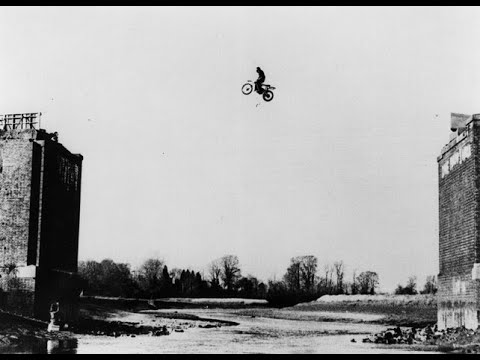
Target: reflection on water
[30, 348]
[44, 347]
[62, 346]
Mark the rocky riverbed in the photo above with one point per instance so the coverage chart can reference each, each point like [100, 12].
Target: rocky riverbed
[459, 339]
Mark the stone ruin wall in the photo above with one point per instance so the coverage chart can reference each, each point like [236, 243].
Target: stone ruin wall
[459, 184]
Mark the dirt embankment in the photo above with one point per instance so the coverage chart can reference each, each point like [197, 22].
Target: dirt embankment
[375, 300]
[397, 310]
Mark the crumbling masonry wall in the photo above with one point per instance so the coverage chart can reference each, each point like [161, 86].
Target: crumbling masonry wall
[459, 184]
[16, 290]
[39, 224]
[15, 192]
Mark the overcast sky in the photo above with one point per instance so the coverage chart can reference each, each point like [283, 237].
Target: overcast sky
[179, 164]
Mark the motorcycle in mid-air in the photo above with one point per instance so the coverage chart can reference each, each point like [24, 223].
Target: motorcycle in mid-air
[265, 90]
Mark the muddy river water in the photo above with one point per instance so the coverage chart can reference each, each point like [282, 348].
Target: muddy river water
[251, 335]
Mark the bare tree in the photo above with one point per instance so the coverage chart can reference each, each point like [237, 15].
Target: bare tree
[328, 281]
[230, 271]
[308, 270]
[354, 288]
[367, 282]
[301, 274]
[409, 289]
[412, 284]
[151, 274]
[292, 277]
[215, 271]
[339, 273]
[430, 286]
[152, 268]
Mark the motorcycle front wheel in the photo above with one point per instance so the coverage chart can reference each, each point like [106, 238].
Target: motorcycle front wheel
[268, 95]
[247, 88]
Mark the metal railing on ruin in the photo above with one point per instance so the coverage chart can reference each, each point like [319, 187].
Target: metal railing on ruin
[20, 121]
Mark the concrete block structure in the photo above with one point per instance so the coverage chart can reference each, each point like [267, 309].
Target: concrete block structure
[459, 225]
[39, 221]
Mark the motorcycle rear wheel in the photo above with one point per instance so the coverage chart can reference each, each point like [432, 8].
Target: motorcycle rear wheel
[267, 95]
[247, 88]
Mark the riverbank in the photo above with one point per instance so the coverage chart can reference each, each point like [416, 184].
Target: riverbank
[15, 332]
[99, 320]
[393, 310]
[101, 316]
[389, 310]
[133, 304]
[104, 318]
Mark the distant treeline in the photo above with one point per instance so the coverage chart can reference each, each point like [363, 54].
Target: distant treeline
[153, 279]
[410, 288]
[301, 281]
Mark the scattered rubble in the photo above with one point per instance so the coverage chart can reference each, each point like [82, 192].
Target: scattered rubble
[458, 339]
[208, 326]
[119, 328]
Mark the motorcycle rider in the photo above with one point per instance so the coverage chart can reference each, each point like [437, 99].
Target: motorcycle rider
[260, 80]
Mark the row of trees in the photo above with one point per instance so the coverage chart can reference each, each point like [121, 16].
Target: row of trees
[226, 279]
[154, 280]
[410, 288]
[302, 281]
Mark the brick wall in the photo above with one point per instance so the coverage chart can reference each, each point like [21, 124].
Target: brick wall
[39, 223]
[458, 172]
[17, 295]
[15, 179]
